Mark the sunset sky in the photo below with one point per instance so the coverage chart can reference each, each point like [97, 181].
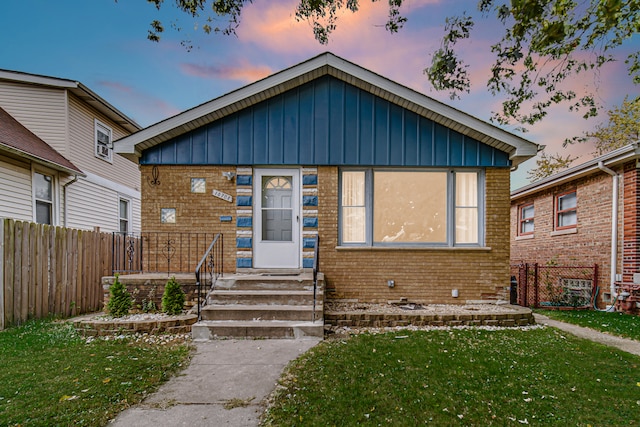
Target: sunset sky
[103, 44]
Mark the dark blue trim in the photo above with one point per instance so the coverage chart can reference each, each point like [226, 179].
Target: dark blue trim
[226, 218]
[243, 243]
[310, 222]
[310, 200]
[244, 180]
[244, 201]
[325, 122]
[307, 262]
[244, 222]
[244, 262]
[308, 242]
[309, 179]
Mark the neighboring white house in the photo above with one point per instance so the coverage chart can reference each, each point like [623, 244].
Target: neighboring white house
[95, 188]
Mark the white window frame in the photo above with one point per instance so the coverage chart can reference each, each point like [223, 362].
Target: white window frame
[103, 149]
[451, 208]
[121, 218]
[54, 195]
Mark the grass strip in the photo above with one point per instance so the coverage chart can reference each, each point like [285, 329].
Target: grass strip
[453, 377]
[52, 376]
[614, 323]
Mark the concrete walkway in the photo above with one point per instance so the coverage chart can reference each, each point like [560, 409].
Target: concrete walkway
[238, 372]
[224, 372]
[624, 344]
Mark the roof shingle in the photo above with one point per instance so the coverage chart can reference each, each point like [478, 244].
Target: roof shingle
[18, 138]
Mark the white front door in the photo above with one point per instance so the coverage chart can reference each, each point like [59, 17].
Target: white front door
[276, 218]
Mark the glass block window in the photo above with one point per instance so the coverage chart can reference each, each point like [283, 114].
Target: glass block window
[168, 215]
[198, 185]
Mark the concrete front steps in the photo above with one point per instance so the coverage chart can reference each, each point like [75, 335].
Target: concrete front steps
[263, 305]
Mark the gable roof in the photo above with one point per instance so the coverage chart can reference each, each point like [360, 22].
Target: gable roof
[78, 89]
[519, 149]
[611, 159]
[18, 140]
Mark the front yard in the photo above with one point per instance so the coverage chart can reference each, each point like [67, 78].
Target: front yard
[467, 377]
[461, 376]
[50, 376]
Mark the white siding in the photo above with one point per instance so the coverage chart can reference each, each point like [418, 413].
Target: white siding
[136, 220]
[66, 122]
[81, 132]
[40, 109]
[15, 191]
[91, 205]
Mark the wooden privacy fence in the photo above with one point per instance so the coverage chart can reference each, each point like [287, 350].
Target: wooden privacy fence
[46, 270]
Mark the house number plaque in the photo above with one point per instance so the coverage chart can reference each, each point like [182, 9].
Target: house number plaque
[221, 195]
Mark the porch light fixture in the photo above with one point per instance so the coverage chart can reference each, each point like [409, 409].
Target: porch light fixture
[229, 175]
[454, 293]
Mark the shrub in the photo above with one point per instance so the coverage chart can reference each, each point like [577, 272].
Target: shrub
[173, 297]
[120, 300]
[148, 304]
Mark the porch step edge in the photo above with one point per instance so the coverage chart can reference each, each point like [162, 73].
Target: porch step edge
[207, 330]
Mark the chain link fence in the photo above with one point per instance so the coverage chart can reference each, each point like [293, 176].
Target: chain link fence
[555, 286]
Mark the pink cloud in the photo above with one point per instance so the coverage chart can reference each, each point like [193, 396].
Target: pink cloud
[273, 26]
[242, 71]
[139, 105]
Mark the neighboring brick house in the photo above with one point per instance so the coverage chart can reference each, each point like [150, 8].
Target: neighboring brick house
[409, 197]
[567, 219]
[101, 190]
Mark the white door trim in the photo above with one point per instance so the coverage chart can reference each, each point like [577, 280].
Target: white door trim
[277, 254]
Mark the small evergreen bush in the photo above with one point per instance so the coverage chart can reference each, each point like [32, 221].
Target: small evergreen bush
[120, 300]
[173, 297]
[149, 304]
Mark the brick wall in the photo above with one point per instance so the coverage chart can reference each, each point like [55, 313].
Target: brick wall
[421, 275]
[590, 244]
[424, 275]
[195, 212]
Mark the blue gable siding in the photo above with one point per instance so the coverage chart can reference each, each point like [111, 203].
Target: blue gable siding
[325, 122]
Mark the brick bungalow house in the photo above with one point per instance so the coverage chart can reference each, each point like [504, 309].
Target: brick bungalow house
[409, 197]
[585, 215]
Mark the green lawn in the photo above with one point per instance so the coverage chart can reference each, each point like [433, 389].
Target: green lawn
[624, 325]
[52, 377]
[467, 377]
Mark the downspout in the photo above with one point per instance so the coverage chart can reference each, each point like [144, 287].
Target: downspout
[614, 227]
[64, 195]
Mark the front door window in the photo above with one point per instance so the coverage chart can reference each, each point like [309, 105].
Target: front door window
[277, 209]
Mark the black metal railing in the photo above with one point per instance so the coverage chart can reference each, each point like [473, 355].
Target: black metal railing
[208, 270]
[316, 252]
[157, 252]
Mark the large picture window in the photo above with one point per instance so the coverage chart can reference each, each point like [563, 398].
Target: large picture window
[387, 207]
